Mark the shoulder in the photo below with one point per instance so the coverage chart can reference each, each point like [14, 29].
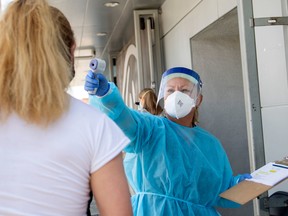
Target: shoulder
[203, 131]
[79, 110]
[204, 134]
[79, 106]
[211, 143]
[90, 119]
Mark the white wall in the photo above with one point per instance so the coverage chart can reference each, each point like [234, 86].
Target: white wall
[272, 59]
[181, 20]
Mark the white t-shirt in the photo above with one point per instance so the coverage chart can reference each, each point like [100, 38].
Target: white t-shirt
[46, 171]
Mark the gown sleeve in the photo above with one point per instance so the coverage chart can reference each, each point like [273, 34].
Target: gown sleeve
[135, 125]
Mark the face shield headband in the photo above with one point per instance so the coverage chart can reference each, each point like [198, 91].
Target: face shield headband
[180, 72]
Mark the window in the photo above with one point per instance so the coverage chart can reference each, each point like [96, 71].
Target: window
[3, 4]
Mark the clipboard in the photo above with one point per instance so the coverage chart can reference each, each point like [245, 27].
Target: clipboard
[251, 189]
[245, 191]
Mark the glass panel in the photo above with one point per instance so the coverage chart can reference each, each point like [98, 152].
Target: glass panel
[3, 4]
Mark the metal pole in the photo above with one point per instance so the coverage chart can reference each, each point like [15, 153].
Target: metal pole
[251, 91]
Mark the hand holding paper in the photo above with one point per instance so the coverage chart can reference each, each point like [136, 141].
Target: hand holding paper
[262, 180]
[269, 174]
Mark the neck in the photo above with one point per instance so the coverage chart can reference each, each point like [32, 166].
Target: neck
[185, 121]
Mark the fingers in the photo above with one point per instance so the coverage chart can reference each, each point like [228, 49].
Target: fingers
[92, 82]
[101, 77]
[91, 74]
[247, 176]
[244, 176]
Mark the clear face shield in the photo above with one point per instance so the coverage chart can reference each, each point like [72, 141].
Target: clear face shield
[180, 79]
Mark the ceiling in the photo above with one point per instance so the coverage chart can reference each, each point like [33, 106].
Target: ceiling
[89, 17]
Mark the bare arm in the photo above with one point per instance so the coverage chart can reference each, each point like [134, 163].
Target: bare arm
[110, 189]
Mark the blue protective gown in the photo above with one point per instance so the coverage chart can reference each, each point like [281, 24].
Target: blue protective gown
[174, 170]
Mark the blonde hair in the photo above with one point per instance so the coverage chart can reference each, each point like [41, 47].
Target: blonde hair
[195, 117]
[35, 63]
[150, 99]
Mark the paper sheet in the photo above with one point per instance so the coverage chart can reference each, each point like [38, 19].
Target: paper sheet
[269, 174]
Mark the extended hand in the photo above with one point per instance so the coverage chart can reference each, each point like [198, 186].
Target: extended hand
[96, 84]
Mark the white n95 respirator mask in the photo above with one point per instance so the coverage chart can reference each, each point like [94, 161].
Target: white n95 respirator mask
[178, 104]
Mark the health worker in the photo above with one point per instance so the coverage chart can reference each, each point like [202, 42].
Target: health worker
[174, 166]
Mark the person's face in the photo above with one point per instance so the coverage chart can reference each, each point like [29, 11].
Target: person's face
[178, 84]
